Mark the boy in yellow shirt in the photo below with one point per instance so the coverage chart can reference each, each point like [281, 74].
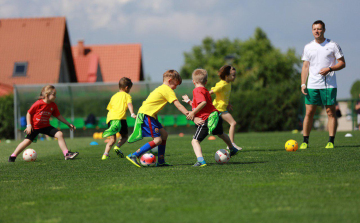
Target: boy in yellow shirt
[116, 117]
[147, 124]
[222, 91]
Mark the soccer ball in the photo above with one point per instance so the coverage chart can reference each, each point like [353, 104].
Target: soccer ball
[148, 159]
[222, 156]
[29, 155]
[154, 150]
[291, 145]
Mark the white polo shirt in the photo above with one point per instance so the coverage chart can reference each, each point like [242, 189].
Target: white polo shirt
[321, 56]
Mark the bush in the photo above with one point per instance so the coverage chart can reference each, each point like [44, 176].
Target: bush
[7, 117]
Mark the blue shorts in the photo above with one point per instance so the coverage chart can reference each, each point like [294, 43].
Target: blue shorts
[151, 127]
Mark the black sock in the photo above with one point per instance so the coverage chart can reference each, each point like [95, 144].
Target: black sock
[306, 139]
[331, 139]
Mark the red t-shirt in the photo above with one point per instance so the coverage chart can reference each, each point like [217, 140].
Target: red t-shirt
[201, 94]
[41, 112]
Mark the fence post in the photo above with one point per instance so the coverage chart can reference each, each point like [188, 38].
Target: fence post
[15, 113]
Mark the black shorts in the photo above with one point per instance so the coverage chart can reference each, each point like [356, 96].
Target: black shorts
[124, 127]
[50, 131]
[202, 130]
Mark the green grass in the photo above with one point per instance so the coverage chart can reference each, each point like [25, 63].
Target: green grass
[264, 183]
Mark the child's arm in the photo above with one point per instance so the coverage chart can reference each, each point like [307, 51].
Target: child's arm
[29, 128]
[62, 119]
[192, 114]
[186, 99]
[131, 109]
[211, 92]
[181, 108]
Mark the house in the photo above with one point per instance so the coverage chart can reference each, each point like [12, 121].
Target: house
[35, 51]
[107, 63]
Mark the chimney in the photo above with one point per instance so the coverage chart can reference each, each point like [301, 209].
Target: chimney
[81, 49]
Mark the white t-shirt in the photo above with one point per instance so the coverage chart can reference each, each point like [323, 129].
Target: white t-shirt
[321, 56]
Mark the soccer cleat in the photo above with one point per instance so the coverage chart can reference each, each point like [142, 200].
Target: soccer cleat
[233, 152]
[163, 164]
[303, 145]
[329, 145]
[118, 152]
[236, 147]
[105, 157]
[199, 164]
[71, 155]
[133, 159]
[12, 159]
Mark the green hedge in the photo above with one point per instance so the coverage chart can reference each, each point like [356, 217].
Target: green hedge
[7, 117]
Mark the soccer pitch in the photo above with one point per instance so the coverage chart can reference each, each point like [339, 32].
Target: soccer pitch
[263, 183]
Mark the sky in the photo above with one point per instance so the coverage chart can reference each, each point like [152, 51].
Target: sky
[167, 28]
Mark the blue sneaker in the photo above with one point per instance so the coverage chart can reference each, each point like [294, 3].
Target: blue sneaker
[133, 159]
[233, 152]
[200, 164]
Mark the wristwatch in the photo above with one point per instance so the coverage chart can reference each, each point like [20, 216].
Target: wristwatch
[303, 85]
[330, 69]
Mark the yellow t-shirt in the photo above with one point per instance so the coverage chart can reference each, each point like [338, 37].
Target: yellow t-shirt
[222, 91]
[157, 100]
[117, 106]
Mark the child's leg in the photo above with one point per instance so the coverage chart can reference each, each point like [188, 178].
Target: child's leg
[197, 148]
[226, 139]
[162, 146]
[229, 119]
[122, 140]
[62, 144]
[108, 146]
[21, 147]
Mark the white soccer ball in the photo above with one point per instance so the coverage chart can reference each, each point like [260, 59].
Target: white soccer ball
[29, 155]
[222, 156]
[154, 150]
[148, 159]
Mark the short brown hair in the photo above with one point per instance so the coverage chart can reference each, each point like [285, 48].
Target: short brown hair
[200, 76]
[224, 71]
[46, 90]
[173, 74]
[125, 82]
[319, 22]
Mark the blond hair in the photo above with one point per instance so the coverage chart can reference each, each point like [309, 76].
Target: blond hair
[48, 89]
[173, 74]
[200, 76]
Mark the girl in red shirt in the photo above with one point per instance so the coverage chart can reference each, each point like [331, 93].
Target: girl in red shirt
[37, 119]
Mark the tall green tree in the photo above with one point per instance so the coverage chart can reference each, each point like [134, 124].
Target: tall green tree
[266, 92]
[355, 89]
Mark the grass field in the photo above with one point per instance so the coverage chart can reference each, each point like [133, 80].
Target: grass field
[264, 183]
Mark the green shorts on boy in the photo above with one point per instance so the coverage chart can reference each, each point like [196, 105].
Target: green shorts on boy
[203, 108]
[147, 124]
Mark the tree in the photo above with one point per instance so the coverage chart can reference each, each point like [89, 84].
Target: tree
[355, 89]
[265, 93]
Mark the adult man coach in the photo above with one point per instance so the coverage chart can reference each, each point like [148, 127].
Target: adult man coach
[320, 56]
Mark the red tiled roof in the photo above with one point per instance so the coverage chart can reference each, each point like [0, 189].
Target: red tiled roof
[116, 61]
[5, 89]
[39, 41]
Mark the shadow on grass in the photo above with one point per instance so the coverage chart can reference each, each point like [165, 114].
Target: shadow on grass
[230, 163]
[261, 150]
[348, 146]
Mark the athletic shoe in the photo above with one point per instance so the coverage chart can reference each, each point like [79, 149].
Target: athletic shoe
[118, 152]
[236, 147]
[329, 145]
[105, 157]
[163, 164]
[133, 159]
[12, 159]
[199, 164]
[233, 152]
[303, 145]
[71, 155]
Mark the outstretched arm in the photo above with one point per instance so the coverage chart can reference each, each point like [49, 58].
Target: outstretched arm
[62, 119]
[131, 110]
[181, 108]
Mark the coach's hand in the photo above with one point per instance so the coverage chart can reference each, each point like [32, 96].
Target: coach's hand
[324, 71]
[303, 88]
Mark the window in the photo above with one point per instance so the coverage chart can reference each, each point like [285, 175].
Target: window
[20, 69]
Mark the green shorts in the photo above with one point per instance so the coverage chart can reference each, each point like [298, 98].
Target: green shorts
[321, 96]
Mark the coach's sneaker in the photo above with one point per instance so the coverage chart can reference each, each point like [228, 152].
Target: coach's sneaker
[12, 159]
[329, 145]
[71, 155]
[200, 164]
[105, 157]
[118, 152]
[133, 159]
[163, 164]
[303, 145]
